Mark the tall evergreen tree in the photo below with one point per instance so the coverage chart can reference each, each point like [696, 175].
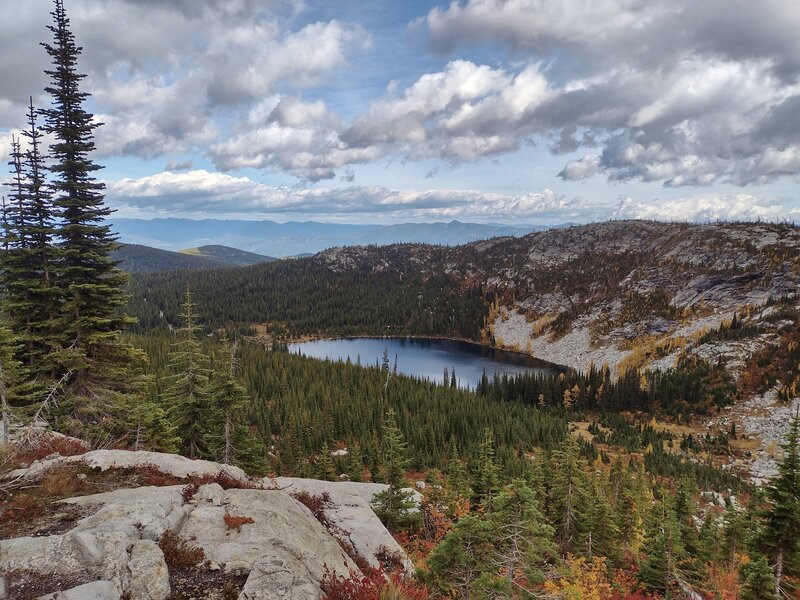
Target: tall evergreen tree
[523, 541]
[187, 393]
[759, 580]
[487, 472]
[393, 505]
[234, 442]
[663, 551]
[43, 326]
[92, 284]
[780, 538]
[566, 491]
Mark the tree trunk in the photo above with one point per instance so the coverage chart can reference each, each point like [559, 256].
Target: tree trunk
[226, 456]
[4, 404]
[778, 572]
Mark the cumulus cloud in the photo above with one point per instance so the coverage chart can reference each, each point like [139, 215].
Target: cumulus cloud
[707, 208]
[674, 91]
[202, 192]
[171, 77]
[679, 93]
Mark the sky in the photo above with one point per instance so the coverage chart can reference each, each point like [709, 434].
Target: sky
[495, 111]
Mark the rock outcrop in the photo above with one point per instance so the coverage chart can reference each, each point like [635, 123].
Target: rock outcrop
[264, 533]
[169, 464]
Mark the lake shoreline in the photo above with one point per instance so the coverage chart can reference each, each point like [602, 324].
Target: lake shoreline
[425, 356]
[322, 338]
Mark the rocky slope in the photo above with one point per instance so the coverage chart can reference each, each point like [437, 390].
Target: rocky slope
[592, 294]
[258, 537]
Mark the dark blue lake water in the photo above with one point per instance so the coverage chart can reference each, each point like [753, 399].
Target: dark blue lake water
[426, 357]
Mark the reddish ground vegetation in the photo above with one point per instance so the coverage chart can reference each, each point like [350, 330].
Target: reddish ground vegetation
[178, 552]
[236, 521]
[391, 561]
[44, 444]
[22, 507]
[316, 503]
[369, 584]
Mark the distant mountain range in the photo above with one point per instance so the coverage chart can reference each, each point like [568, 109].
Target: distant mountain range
[296, 238]
[136, 258]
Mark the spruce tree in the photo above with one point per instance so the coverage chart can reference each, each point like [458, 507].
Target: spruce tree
[91, 283]
[187, 393]
[759, 580]
[780, 537]
[523, 541]
[233, 441]
[43, 325]
[565, 492]
[663, 550]
[11, 377]
[393, 506]
[487, 473]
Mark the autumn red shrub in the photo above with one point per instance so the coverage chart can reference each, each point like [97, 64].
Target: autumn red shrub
[391, 561]
[178, 552]
[21, 508]
[236, 522]
[152, 475]
[226, 481]
[44, 444]
[188, 491]
[356, 586]
[316, 503]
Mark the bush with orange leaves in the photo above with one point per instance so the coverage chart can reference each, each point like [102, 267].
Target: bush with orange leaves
[582, 578]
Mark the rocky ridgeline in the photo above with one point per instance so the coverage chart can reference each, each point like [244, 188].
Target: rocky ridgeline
[256, 531]
[586, 294]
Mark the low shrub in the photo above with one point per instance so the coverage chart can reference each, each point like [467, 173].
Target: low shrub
[60, 482]
[44, 444]
[178, 552]
[22, 507]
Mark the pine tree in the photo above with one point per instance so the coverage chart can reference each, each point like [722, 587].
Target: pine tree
[759, 580]
[43, 325]
[487, 473]
[92, 285]
[393, 505]
[234, 442]
[187, 394]
[663, 550]
[522, 538]
[780, 538]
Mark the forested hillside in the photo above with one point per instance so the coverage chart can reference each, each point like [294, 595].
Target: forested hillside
[304, 297]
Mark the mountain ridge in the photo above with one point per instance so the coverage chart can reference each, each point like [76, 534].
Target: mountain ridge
[298, 237]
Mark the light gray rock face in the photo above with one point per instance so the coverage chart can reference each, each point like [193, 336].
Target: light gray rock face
[283, 538]
[284, 550]
[350, 509]
[96, 590]
[170, 464]
[149, 573]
